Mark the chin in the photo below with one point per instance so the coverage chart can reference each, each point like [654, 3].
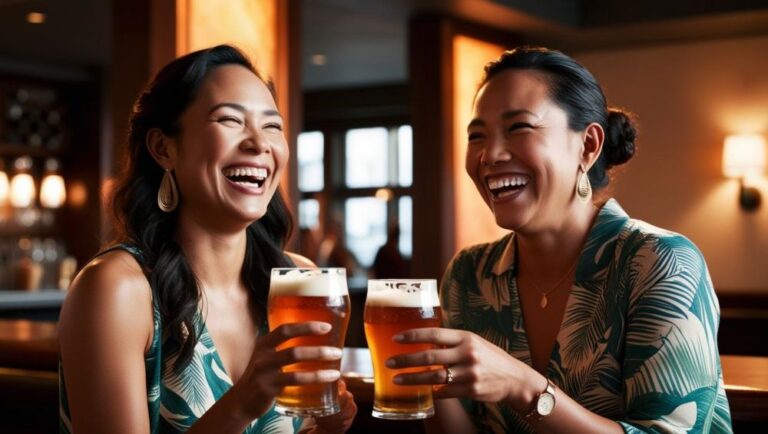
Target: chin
[509, 221]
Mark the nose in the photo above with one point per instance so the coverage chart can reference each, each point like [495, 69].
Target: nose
[495, 151]
[254, 142]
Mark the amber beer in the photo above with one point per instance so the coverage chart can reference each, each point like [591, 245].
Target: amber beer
[392, 306]
[299, 295]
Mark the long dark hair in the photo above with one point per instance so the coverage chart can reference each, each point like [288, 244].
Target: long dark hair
[575, 90]
[139, 221]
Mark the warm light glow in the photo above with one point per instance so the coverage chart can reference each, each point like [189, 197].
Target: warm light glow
[36, 18]
[475, 222]
[22, 190]
[384, 194]
[52, 191]
[744, 156]
[3, 187]
[319, 59]
[249, 25]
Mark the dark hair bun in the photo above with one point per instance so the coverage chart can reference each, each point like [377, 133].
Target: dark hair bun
[620, 134]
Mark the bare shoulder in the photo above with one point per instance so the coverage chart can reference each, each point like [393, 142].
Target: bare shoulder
[109, 292]
[299, 260]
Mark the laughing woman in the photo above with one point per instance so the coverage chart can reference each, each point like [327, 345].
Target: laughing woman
[166, 331]
[582, 319]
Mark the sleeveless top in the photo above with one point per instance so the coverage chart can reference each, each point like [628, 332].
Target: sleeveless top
[177, 400]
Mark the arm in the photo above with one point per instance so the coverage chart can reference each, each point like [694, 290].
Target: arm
[672, 377]
[104, 331]
[484, 372]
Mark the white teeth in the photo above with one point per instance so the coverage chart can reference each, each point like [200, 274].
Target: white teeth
[513, 180]
[254, 172]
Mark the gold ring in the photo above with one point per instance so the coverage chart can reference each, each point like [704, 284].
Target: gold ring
[449, 376]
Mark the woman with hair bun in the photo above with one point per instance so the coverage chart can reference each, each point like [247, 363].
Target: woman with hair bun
[581, 319]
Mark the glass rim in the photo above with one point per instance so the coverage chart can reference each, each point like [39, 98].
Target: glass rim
[308, 268]
[407, 280]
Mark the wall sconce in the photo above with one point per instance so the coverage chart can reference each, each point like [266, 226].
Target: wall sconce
[744, 158]
[22, 191]
[52, 190]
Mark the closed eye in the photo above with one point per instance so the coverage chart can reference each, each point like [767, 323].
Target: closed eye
[517, 126]
[273, 126]
[229, 120]
[474, 137]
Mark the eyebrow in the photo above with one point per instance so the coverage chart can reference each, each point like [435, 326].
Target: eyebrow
[506, 115]
[241, 108]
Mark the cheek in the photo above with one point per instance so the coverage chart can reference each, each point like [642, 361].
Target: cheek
[472, 162]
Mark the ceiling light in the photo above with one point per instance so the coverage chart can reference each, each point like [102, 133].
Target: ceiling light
[35, 18]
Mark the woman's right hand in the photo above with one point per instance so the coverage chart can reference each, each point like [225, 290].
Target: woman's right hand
[264, 379]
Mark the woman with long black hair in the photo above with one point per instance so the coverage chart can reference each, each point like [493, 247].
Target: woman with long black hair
[165, 331]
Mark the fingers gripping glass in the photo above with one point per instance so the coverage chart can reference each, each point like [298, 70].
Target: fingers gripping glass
[302, 294]
[392, 306]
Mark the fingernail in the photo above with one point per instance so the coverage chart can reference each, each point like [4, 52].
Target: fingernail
[332, 353]
[325, 327]
[398, 380]
[329, 375]
[398, 338]
[391, 363]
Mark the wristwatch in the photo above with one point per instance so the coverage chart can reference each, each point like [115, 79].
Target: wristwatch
[544, 403]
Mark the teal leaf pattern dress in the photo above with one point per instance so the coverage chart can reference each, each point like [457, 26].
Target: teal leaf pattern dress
[638, 341]
[176, 400]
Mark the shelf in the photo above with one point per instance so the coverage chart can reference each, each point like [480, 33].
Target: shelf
[8, 150]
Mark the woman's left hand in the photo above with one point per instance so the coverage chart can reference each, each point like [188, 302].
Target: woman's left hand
[340, 422]
[479, 369]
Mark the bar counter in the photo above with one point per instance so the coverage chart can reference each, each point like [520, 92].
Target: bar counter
[31, 348]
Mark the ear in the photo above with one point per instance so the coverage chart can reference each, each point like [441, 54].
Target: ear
[162, 148]
[592, 141]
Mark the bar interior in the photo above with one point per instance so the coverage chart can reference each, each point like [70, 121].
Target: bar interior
[376, 96]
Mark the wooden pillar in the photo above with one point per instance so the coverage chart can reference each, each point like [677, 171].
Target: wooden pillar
[430, 59]
[445, 205]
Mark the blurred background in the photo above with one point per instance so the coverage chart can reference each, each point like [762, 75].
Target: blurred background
[377, 95]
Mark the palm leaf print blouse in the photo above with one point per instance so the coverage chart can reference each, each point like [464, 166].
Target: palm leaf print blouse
[638, 341]
[176, 400]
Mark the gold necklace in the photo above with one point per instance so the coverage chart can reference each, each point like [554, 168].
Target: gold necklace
[544, 301]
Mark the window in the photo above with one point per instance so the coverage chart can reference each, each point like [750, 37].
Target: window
[310, 157]
[365, 159]
[371, 173]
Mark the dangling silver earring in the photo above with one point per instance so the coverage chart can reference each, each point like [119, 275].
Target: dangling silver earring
[168, 194]
[583, 187]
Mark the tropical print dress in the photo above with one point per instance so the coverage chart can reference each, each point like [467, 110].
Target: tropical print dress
[638, 341]
[177, 400]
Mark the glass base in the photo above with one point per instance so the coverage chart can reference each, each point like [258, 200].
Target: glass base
[308, 411]
[414, 415]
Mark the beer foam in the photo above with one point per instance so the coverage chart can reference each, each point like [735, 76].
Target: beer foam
[402, 293]
[308, 284]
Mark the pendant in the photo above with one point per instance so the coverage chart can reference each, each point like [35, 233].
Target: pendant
[544, 302]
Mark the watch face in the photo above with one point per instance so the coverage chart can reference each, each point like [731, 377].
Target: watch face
[545, 404]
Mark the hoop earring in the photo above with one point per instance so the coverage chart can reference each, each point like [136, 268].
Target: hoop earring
[583, 186]
[168, 194]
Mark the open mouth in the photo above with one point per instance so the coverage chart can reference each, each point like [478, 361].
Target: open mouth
[507, 185]
[252, 177]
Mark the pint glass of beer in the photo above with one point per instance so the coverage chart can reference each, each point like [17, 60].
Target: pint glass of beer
[310, 294]
[392, 306]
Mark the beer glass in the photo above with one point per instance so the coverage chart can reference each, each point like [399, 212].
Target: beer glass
[310, 294]
[392, 306]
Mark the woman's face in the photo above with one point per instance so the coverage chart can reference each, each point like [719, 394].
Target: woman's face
[231, 150]
[521, 154]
